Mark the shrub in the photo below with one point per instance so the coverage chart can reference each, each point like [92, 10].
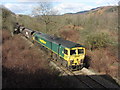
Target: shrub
[97, 41]
[8, 19]
[103, 61]
[5, 35]
[71, 35]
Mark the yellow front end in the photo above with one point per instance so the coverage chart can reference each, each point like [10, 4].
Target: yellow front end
[75, 57]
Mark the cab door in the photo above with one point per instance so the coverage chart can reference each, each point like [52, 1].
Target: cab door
[66, 54]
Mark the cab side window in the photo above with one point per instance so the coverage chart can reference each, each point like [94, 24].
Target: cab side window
[65, 52]
[36, 38]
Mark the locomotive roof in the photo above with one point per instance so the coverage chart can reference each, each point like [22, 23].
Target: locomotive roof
[61, 41]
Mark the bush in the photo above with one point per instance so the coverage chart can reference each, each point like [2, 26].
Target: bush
[8, 19]
[71, 35]
[103, 61]
[97, 41]
[5, 35]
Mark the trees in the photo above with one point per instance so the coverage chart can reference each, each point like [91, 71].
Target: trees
[8, 19]
[100, 40]
[45, 13]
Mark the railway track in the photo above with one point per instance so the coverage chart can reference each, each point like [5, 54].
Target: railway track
[90, 80]
[82, 79]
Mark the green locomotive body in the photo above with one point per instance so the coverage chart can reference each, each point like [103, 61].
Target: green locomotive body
[72, 53]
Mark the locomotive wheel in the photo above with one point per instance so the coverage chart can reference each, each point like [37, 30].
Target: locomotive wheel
[64, 63]
[55, 57]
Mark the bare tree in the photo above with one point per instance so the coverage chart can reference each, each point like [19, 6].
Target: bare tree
[45, 13]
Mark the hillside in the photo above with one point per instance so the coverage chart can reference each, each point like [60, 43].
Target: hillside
[96, 29]
[106, 9]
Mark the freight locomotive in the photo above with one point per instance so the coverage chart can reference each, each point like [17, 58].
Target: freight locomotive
[70, 54]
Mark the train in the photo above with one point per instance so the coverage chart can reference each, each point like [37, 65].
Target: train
[70, 54]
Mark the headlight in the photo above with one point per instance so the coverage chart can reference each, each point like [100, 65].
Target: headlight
[15, 30]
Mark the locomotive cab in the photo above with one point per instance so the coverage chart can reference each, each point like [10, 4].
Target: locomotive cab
[75, 57]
